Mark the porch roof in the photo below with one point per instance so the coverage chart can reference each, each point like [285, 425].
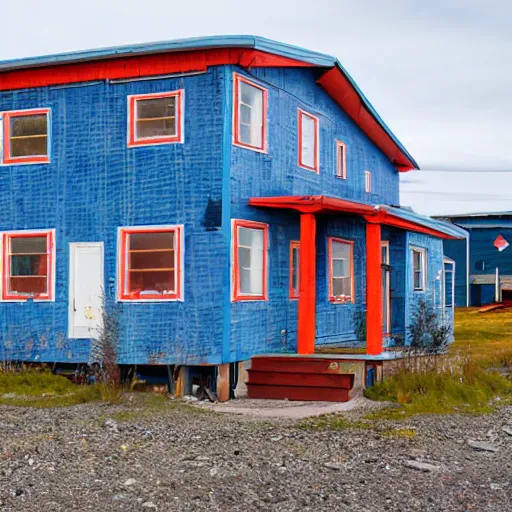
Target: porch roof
[378, 214]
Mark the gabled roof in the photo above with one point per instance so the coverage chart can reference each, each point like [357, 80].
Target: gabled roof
[29, 72]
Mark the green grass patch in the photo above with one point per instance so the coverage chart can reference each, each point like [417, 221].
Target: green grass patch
[44, 389]
[466, 390]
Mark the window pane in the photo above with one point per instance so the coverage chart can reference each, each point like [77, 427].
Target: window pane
[417, 280]
[251, 281]
[37, 146]
[340, 250]
[251, 95]
[159, 282]
[342, 286]
[340, 268]
[244, 257]
[156, 128]
[250, 237]
[35, 244]
[156, 107]
[157, 240]
[29, 125]
[295, 270]
[250, 115]
[308, 141]
[245, 114]
[28, 285]
[29, 265]
[160, 259]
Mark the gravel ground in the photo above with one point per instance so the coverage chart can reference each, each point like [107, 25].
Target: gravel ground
[175, 457]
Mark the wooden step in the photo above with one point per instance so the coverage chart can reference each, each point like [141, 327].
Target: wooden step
[294, 365]
[305, 393]
[269, 378]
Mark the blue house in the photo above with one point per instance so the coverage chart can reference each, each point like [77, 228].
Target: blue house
[228, 196]
[484, 262]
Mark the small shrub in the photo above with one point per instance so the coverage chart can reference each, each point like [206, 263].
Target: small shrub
[426, 332]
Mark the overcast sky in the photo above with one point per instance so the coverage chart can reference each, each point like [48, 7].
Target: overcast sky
[438, 71]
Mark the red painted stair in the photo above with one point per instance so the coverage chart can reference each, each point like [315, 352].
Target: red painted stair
[299, 378]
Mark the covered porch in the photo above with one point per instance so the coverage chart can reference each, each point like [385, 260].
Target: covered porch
[375, 218]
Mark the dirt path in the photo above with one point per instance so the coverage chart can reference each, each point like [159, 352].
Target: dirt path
[99, 457]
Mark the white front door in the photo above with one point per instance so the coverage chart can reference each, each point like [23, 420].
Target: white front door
[86, 283]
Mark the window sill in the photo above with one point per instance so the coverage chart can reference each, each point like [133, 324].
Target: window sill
[250, 298]
[154, 142]
[310, 169]
[256, 149]
[25, 161]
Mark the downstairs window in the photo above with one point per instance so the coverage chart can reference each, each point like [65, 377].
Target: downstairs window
[150, 263]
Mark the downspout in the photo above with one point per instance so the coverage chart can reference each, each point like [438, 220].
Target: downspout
[227, 113]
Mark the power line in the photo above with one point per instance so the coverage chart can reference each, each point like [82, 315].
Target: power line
[430, 169]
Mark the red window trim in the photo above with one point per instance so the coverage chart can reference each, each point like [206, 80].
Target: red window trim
[122, 261]
[7, 159]
[50, 254]
[294, 244]
[341, 163]
[237, 295]
[367, 182]
[132, 101]
[237, 78]
[316, 167]
[332, 298]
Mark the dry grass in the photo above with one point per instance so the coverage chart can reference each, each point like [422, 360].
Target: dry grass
[475, 371]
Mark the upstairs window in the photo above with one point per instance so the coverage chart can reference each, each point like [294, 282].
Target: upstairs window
[250, 114]
[419, 274]
[367, 182]
[308, 142]
[250, 248]
[341, 270]
[155, 118]
[28, 265]
[150, 263]
[341, 160]
[25, 136]
[294, 269]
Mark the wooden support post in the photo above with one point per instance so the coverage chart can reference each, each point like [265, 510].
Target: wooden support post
[373, 289]
[306, 328]
[223, 382]
[183, 386]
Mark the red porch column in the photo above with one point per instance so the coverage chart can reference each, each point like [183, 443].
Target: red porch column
[373, 289]
[306, 326]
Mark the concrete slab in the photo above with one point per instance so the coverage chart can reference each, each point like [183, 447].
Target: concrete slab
[283, 409]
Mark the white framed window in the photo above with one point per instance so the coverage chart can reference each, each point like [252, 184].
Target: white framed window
[28, 265]
[341, 160]
[250, 260]
[419, 268]
[308, 141]
[150, 263]
[250, 114]
[341, 270]
[155, 118]
[26, 136]
[367, 181]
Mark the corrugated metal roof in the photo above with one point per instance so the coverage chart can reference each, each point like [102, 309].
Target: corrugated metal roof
[202, 43]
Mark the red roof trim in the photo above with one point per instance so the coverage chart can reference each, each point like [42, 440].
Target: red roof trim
[333, 81]
[326, 204]
[339, 88]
